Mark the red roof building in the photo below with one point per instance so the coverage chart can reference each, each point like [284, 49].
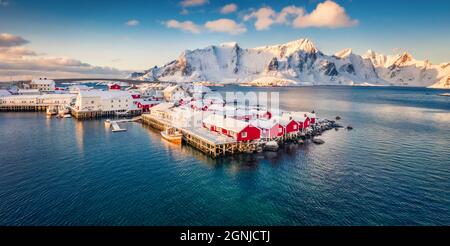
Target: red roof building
[114, 87]
[237, 129]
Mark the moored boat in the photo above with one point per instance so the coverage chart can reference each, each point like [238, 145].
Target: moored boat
[51, 111]
[172, 135]
[108, 123]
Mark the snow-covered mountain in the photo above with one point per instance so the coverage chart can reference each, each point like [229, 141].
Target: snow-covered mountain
[297, 63]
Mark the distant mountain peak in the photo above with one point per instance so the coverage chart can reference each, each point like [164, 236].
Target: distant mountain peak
[344, 53]
[403, 59]
[298, 62]
[304, 44]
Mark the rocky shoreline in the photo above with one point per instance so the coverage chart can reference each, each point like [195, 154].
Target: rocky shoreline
[312, 134]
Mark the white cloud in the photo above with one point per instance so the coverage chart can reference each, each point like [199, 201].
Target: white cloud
[132, 22]
[188, 26]
[287, 12]
[11, 53]
[192, 3]
[184, 12]
[226, 26]
[229, 8]
[264, 16]
[9, 40]
[327, 14]
[18, 61]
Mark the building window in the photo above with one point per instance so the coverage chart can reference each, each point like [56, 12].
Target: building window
[244, 134]
[295, 126]
[92, 102]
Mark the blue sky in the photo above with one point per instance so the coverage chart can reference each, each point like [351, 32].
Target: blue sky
[96, 33]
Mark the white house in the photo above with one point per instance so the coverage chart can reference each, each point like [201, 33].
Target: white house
[37, 100]
[43, 84]
[174, 93]
[29, 91]
[162, 110]
[186, 117]
[77, 88]
[106, 102]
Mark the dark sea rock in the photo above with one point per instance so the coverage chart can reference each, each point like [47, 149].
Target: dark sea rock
[318, 141]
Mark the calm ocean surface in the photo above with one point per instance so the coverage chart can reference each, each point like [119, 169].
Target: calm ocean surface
[392, 169]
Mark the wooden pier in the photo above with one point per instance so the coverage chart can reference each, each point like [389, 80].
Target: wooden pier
[23, 108]
[81, 115]
[210, 143]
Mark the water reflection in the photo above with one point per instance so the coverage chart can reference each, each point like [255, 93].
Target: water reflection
[79, 135]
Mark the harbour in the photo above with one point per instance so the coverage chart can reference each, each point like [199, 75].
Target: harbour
[357, 177]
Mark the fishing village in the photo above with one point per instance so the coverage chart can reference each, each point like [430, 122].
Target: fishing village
[189, 113]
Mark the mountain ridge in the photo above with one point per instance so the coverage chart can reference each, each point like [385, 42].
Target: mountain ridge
[298, 62]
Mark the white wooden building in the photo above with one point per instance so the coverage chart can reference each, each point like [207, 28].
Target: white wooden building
[43, 84]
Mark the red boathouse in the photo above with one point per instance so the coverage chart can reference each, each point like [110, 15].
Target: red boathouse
[239, 130]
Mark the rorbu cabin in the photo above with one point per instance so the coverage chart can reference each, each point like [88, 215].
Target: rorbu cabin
[291, 127]
[114, 87]
[241, 131]
[301, 117]
[311, 116]
[270, 129]
[145, 105]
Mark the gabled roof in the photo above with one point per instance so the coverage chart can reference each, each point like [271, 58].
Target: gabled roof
[264, 124]
[29, 91]
[42, 81]
[226, 123]
[170, 88]
[104, 94]
[297, 116]
[284, 121]
[162, 106]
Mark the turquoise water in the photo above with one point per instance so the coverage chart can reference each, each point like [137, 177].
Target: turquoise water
[392, 169]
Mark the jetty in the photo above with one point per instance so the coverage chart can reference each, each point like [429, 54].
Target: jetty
[116, 128]
[114, 124]
[211, 143]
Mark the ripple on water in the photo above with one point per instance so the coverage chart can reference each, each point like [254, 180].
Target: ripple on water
[392, 169]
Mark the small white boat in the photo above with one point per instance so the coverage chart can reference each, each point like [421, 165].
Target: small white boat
[67, 116]
[51, 111]
[63, 111]
[108, 123]
[172, 135]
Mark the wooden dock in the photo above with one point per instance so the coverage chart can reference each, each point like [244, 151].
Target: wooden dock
[23, 108]
[116, 128]
[114, 124]
[210, 143]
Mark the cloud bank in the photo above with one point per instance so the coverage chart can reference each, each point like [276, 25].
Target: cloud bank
[187, 26]
[193, 3]
[132, 22]
[328, 14]
[19, 62]
[226, 26]
[229, 8]
[221, 25]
